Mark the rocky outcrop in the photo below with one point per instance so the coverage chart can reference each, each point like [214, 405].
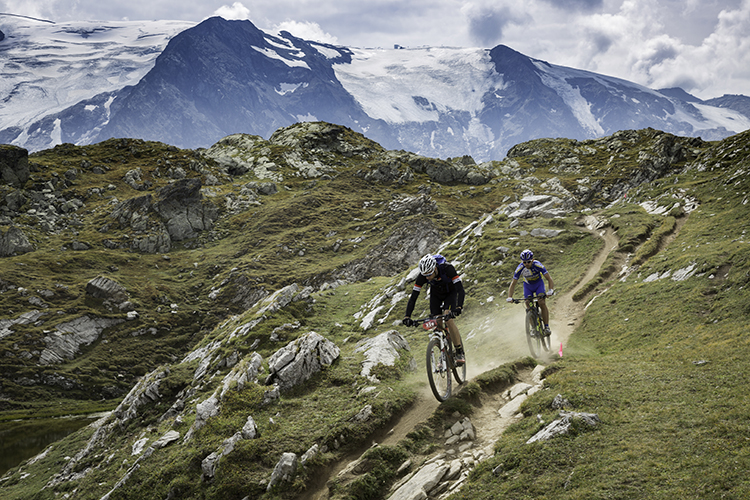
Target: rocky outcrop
[6, 325]
[144, 392]
[285, 470]
[180, 207]
[177, 213]
[561, 426]
[300, 360]
[211, 462]
[384, 349]
[107, 289]
[401, 249]
[14, 165]
[13, 241]
[65, 343]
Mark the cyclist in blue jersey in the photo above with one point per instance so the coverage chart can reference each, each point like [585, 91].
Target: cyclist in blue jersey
[446, 295]
[532, 271]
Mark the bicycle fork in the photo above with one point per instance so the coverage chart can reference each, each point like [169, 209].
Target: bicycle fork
[442, 363]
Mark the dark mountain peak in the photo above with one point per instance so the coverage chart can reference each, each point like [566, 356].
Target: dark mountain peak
[678, 93]
[509, 61]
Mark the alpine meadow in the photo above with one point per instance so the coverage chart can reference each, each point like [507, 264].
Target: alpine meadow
[232, 318]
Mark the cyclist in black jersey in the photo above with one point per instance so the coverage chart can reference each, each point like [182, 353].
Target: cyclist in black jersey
[446, 294]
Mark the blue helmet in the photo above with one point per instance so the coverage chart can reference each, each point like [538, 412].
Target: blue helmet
[527, 255]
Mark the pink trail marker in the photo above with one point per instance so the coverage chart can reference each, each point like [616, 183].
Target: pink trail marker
[561, 349]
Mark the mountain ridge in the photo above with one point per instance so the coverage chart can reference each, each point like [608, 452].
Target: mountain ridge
[438, 102]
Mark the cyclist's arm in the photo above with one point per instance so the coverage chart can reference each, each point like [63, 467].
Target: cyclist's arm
[512, 287]
[460, 294]
[549, 280]
[414, 295]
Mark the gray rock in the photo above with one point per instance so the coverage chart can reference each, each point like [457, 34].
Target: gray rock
[384, 349]
[177, 213]
[422, 482]
[179, 204]
[309, 454]
[166, 439]
[144, 392]
[106, 289]
[14, 165]
[301, 359]
[285, 470]
[23, 319]
[65, 343]
[249, 430]
[561, 426]
[14, 242]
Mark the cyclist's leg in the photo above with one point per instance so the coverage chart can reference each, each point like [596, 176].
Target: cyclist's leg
[448, 304]
[545, 310]
[528, 293]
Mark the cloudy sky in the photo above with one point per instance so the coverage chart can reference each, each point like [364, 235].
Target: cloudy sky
[702, 46]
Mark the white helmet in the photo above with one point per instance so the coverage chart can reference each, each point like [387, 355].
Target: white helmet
[427, 265]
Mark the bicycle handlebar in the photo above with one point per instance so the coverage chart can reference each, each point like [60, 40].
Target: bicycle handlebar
[518, 301]
[445, 317]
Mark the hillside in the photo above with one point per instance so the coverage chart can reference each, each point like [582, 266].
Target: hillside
[173, 287]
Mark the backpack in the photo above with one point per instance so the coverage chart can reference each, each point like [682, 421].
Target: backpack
[441, 270]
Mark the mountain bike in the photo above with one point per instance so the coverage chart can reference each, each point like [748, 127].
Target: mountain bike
[535, 336]
[440, 362]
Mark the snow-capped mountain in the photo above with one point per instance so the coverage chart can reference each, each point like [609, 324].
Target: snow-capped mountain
[86, 82]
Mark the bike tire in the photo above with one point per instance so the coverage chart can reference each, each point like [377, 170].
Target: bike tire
[545, 338]
[438, 373]
[459, 371]
[533, 338]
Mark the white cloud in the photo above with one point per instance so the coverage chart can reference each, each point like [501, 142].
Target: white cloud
[234, 11]
[306, 31]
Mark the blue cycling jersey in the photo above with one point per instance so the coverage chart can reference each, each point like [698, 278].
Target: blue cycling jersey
[530, 274]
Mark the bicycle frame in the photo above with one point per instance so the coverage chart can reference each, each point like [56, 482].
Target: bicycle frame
[439, 361]
[535, 336]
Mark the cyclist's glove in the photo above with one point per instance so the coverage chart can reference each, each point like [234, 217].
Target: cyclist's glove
[409, 322]
[457, 312]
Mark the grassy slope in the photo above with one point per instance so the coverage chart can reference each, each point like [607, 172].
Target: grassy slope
[663, 364]
[633, 361]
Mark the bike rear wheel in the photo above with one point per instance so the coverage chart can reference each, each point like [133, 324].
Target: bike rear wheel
[533, 335]
[437, 371]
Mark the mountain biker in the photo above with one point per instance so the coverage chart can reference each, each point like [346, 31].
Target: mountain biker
[446, 295]
[532, 271]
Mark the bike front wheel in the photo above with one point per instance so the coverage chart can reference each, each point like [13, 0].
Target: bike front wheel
[437, 371]
[459, 371]
[533, 335]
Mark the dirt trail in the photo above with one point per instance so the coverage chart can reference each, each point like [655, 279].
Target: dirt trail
[567, 315]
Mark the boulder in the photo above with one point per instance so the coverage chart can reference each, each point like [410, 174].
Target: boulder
[106, 289]
[64, 344]
[14, 165]
[420, 484]
[299, 360]
[285, 470]
[561, 426]
[180, 207]
[384, 349]
[14, 242]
